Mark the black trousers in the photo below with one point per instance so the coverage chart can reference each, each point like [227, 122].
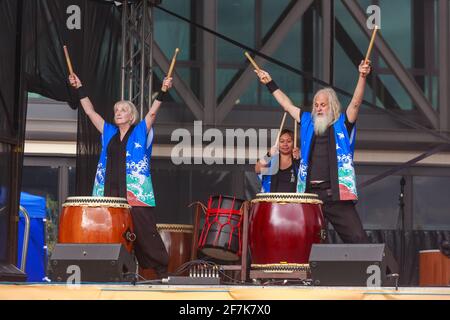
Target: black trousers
[148, 247]
[341, 214]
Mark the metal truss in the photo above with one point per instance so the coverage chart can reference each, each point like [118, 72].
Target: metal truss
[137, 60]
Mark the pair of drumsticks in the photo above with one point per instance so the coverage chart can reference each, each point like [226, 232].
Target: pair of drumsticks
[257, 68]
[172, 65]
[169, 74]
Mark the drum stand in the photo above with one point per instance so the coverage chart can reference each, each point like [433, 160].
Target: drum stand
[242, 267]
[280, 273]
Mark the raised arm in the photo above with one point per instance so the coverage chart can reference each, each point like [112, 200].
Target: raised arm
[358, 95]
[279, 95]
[86, 103]
[151, 114]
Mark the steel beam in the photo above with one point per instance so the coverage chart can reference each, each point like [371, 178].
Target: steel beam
[209, 63]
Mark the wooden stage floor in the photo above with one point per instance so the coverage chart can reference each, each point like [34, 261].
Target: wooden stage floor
[19, 291]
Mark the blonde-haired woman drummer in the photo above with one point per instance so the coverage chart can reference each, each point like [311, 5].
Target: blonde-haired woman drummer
[124, 170]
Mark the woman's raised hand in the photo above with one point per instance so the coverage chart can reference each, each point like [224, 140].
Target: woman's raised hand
[74, 81]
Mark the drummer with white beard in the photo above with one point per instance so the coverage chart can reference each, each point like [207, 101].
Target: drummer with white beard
[326, 156]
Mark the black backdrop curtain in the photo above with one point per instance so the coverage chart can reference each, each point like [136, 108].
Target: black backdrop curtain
[8, 16]
[8, 47]
[12, 130]
[95, 54]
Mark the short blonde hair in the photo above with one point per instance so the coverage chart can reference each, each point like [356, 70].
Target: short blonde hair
[333, 102]
[131, 108]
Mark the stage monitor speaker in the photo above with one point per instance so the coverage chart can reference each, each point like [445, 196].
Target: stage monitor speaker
[352, 265]
[75, 263]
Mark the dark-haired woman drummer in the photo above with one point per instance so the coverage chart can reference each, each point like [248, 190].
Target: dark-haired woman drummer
[278, 170]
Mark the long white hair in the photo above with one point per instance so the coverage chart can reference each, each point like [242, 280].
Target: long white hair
[333, 102]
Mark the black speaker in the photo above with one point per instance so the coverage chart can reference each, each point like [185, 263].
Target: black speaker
[352, 265]
[91, 263]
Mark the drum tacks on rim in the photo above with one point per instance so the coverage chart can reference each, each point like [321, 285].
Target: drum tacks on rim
[282, 229]
[96, 220]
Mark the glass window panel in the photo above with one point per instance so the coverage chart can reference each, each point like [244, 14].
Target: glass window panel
[171, 32]
[431, 203]
[397, 91]
[271, 11]
[350, 26]
[236, 21]
[250, 96]
[346, 77]
[289, 51]
[378, 203]
[397, 28]
[223, 78]
[290, 83]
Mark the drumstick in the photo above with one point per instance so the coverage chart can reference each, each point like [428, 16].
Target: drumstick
[252, 61]
[172, 65]
[281, 128]
[372, 40]
[69, 63]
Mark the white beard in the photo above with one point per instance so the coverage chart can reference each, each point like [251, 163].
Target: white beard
[321, 123]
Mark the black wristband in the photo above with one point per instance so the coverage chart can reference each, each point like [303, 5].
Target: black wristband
[81, 93]
[161, 96]
[272, 86]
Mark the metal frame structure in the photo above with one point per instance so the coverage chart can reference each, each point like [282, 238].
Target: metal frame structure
[137, 53]
[223, 111]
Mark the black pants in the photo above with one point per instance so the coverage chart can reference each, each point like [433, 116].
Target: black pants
[149, 247]
[342, 215]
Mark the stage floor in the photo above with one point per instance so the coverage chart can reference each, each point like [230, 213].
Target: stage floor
[16, 291]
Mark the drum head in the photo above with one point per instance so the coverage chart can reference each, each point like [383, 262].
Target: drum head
[114, 202]
[287, 198]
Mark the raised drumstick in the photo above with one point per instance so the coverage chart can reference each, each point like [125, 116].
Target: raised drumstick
[69, 63]
[372, 40]
[281, 128]
[252, 61]
[172, 65]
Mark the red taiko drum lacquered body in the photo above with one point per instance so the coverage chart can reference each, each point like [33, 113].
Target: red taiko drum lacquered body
[283, 228]
[177, 239]
[96, 220]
